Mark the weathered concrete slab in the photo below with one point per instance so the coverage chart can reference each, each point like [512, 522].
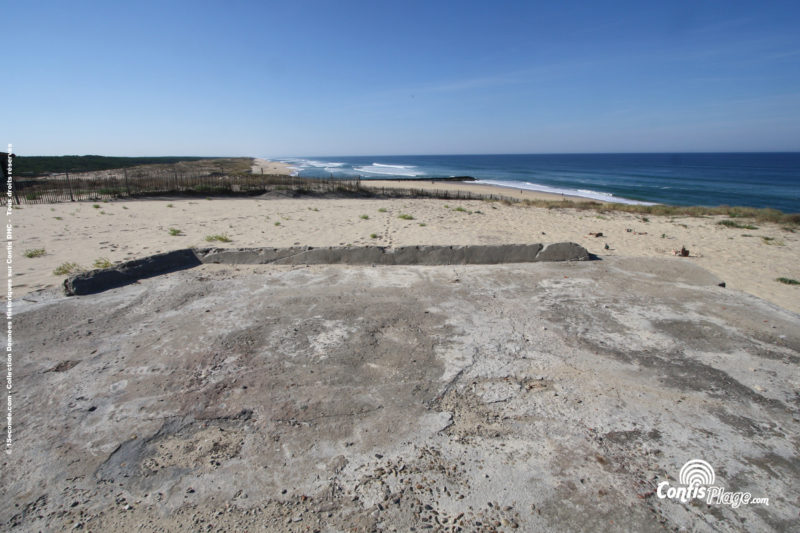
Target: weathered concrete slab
[541, 397]
[131, 271]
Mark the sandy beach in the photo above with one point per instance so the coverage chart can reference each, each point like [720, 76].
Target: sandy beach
[263, 166]
[748, 260]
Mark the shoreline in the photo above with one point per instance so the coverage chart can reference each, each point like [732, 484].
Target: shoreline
[265, 166]
[452, 183]
[634, 179]
[471, 187]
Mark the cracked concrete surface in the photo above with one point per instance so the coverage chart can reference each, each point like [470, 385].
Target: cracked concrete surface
[546, 396]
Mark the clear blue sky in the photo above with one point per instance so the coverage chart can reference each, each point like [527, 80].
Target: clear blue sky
[399, 77]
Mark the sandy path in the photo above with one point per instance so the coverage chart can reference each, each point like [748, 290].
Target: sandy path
[122, 230]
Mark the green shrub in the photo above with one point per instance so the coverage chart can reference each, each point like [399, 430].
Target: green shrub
[734, 224]
[36, 252]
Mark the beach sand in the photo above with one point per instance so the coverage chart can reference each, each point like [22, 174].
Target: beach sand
[263, 166]
[747, 260]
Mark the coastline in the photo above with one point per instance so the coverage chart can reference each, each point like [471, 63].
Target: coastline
[749, 259]
[471, 187]
[681, 179]
[265, 166]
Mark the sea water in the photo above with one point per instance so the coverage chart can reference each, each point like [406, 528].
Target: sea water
[741, 179]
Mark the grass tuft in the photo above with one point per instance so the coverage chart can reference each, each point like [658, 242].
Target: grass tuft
[175, 232]
[788, 281]
[364, 217]
[405, 216]
[734, 224]
[36, 252]
[65, 269]
[218, 237]
[373, 235]
[102, 262]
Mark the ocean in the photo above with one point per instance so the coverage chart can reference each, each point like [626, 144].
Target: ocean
[740, 179]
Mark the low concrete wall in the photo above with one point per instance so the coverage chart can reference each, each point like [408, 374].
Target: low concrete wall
[402, 255]
[131, 271]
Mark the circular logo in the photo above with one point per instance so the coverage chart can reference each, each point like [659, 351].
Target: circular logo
[696, 472]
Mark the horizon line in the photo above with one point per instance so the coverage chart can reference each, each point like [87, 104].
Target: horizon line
[699, 152]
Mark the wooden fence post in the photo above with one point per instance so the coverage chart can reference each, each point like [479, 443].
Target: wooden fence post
[14, 186]
[69, 185]
[127, 186]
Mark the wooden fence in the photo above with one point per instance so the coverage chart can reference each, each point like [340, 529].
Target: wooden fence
[80, 187]
[124, 184]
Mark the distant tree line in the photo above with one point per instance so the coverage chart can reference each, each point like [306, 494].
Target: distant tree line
[41, 164]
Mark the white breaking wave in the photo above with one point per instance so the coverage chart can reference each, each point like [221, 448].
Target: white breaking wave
[390, 170]
[311, 163]
[583, 193]
[298, 165]
[588, 193]
[392, 166]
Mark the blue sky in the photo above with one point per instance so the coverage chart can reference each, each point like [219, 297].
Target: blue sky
[368, 78]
